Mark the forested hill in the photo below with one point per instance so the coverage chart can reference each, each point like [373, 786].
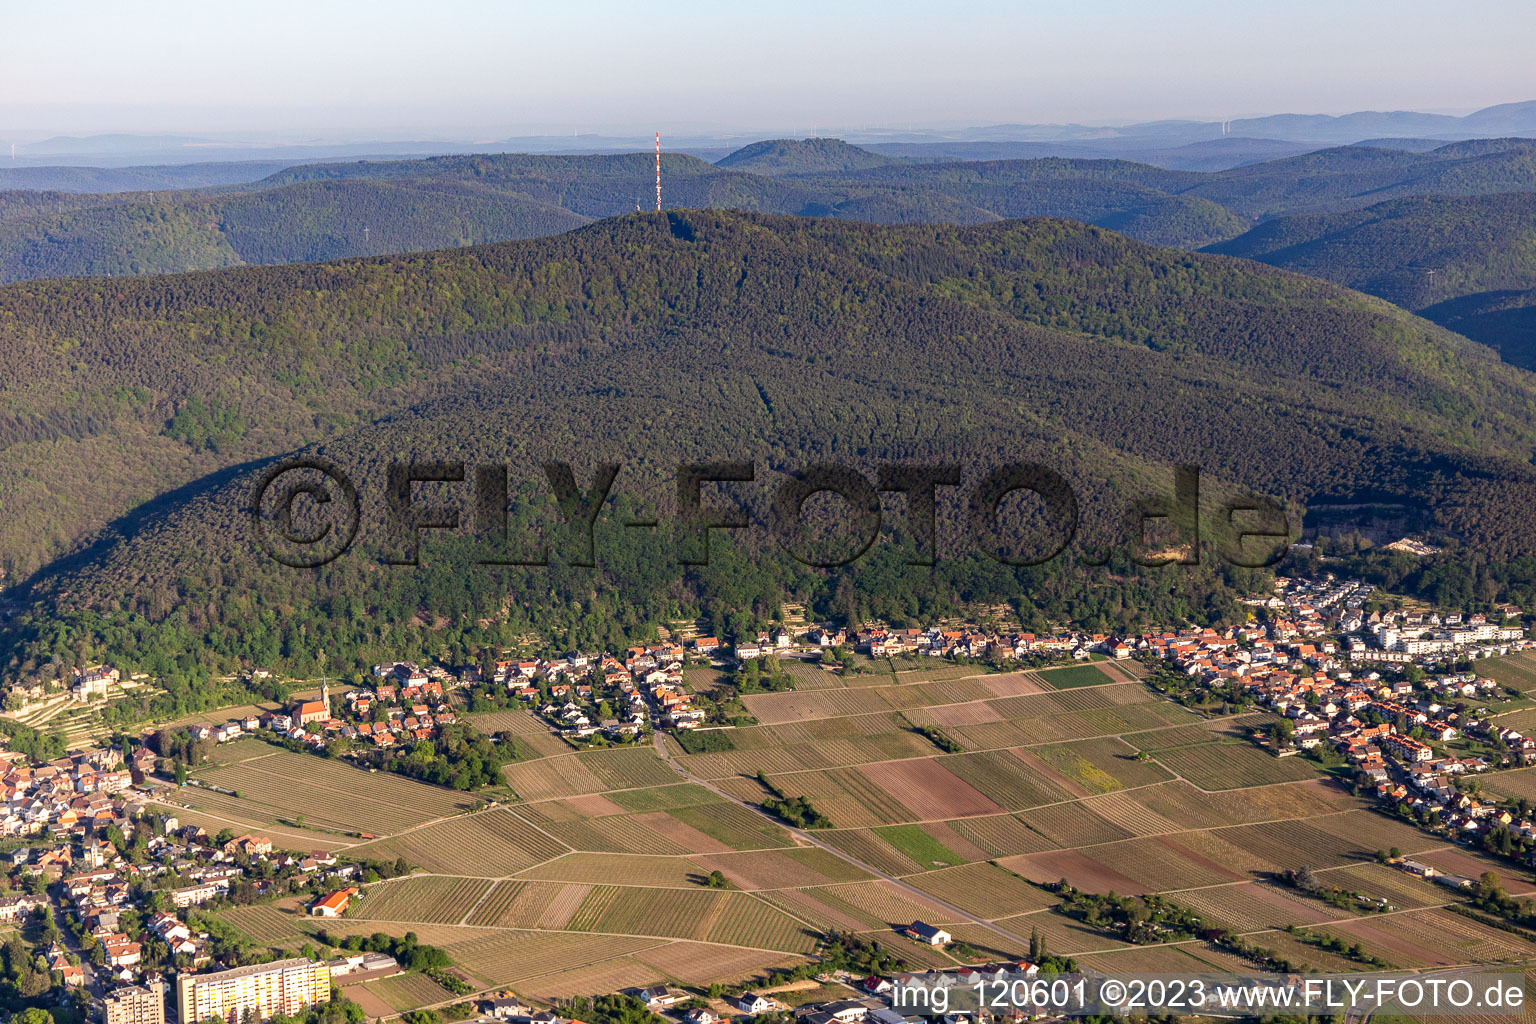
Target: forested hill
[1467, 262]
[327, 211]
[803, 156]
[651, 339]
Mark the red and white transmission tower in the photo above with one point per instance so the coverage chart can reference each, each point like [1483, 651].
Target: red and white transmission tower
[658, 172]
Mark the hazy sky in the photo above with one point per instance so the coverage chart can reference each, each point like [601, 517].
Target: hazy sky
[486, 69]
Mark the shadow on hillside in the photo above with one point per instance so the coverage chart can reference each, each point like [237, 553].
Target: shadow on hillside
[128, 526]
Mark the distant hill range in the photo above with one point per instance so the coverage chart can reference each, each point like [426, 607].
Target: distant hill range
[1158, 142]
[333, 210]
[136, 179]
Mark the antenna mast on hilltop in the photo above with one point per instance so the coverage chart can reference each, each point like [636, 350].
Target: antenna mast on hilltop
[658, 172]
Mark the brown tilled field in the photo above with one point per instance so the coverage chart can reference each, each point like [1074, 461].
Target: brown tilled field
[926, 789]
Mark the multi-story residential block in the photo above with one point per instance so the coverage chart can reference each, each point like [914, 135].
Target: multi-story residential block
[135, 1004]
[284, 986]
[202, 892]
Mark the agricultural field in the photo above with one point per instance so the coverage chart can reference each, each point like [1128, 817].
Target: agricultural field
[1071, 825]
[1516, 670]
[1432, 938]
[1252, 906]
[869, 848]
[730, 918]
[1471, 864]
[518, 721]
[908, 670]
[927, 789]
[602, 977]
[636, 768]
[1519, 783]
[531, 738]
[799, 705]
[1369, 831]
[885, 903]
[695, 963]
[597, 875]
[1131, 815]
[810, 755]
[999, 835]
[1075, 675]
[218, 811]
[1523, 722]
[631, 869]
[731, 825]
[985, 890]
[664, 798]
[299, 789]
[848, 797]
[531, 904]
[276, 924]
[922, 848]
[703, 679]
[1399, 888]
[1062, 934]
[507, 957]
[1154, 960]
[636, 834]
[781, 869]
[243, 749]
[1102, 765]
[594, 771]
[1234, 765]
[398, 994]
[1011, 778]
[809, 675]
[494, 843]
[431, 899]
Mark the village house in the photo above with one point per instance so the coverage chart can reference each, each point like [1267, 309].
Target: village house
[930, 934]
[334, 904]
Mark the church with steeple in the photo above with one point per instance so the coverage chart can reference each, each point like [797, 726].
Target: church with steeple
[315, 710]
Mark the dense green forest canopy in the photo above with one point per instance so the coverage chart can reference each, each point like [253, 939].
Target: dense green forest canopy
[1466, 262]
[140, 413]
[1413, 252]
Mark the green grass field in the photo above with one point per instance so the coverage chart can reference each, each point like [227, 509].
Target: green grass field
[920, 846]
[1074, 676]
